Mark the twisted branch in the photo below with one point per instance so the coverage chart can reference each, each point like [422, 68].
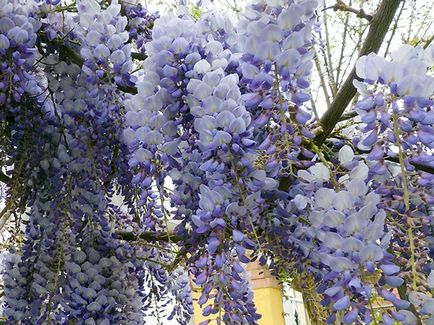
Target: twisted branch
[342, 6]
[379, 25]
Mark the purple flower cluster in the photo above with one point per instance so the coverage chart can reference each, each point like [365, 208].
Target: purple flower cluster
[181, 289]
[153, 115]
[20, 110]
[140, 23]
[341, 232]
[274, 40]
[18, 27]
[102, 283]
[72, 268]
[397, 92]
[102, 34]
[187, 115]
[398, 118]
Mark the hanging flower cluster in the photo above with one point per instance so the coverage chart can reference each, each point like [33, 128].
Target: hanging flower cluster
[276, 60]
[194, 102]
[20, 114]
[341, 232]
[140, 23]
[18, 28]
[397, 113]
[396, 98]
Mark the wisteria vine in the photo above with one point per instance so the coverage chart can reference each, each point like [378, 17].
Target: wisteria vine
[146, 154]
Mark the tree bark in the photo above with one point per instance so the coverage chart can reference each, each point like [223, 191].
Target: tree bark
[379, 25]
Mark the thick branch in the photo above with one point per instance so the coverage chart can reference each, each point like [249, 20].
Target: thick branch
[417, 166]
[348, 116]
[379, 26]
[4, 216]
[342, 6]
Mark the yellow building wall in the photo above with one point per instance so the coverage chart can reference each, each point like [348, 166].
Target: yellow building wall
[197, 317]
[268, 303]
